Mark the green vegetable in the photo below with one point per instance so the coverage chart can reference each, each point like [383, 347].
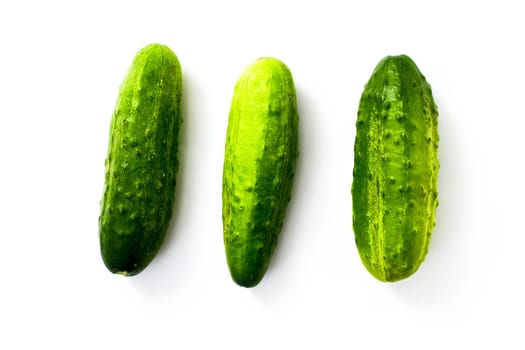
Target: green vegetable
[142, 163]
[396, 166]
[259, 164]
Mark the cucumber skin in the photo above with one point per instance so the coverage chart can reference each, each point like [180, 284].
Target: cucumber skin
[142, 162]
[394, 189]
[259, 165]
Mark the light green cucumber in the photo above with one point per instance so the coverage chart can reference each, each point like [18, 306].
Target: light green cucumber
[259, 165]
[396, 166]
[142, 163]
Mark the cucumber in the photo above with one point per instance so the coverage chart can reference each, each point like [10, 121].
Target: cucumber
[259, 164]
[142, 163]
[394, 189]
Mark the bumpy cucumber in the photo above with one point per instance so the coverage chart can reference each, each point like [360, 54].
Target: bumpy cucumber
[396, 166]
[142, 163]
[259, 165]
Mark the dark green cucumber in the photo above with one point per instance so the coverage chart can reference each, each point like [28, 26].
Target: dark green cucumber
[259, 165]
[142, 162]
[394, 189]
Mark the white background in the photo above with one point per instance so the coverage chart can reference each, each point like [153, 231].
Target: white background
[61, 64]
